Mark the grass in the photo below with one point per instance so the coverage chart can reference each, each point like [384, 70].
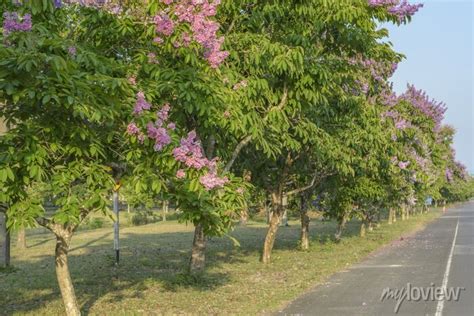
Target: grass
[151, 280]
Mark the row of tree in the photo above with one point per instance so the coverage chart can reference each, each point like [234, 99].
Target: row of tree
[213, 105]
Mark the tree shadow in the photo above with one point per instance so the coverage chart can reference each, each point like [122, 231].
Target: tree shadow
[148, 256]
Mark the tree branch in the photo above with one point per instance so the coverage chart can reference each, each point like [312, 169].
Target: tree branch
[282, 103]
[307, 187]
[248, 138]
[237, 151]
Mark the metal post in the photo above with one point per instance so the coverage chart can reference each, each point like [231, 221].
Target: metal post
[115, 199]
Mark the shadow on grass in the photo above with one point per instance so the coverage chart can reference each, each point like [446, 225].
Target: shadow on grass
[149, 259]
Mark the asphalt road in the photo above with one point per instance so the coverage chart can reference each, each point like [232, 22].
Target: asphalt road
[440, 257]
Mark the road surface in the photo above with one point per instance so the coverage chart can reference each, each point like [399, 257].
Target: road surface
[440, 257]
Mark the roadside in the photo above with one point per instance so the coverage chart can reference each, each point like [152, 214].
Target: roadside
[393, 280]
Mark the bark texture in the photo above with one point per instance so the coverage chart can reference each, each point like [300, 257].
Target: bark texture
[21, 240]
[304, 238]
[198, 252]
[244, 217]
[63, 240]
[272, 228]
[340, 227]
[362, 229]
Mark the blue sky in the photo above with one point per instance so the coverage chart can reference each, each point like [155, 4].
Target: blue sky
[438, 45]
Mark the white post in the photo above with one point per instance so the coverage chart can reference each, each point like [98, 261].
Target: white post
[115, 199]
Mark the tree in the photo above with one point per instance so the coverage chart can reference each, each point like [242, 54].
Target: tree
[62, 97]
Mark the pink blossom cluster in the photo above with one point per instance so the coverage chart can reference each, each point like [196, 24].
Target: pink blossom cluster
[133, 129]
[141, 104]
[197, 14]
[391, 114]
[211, 180]
[378, 70]
[449, 174]
[163, 24]
[429, 107]
[72, 50]
[152, 58]
[402, 124]
[104, 4]
[159, 134]
[399, 8]
[12, 22]
[157, 130]
[190, 153]
[403, 164]
[420, 161]
[388, 98]
[240, 84]
[461, 169]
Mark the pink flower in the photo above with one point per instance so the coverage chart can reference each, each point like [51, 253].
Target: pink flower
[141, 138]
[211, 181]
[240, 190]
[132, 80]
[159, 134]
[180, 174]
[158, 40]
[132, 129]
[164, 25]
[403, 164]
[72, 50]
[227, 114]
[152, 58]
[141, 103]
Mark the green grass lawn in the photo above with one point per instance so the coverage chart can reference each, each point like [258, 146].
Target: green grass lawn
[151, 278]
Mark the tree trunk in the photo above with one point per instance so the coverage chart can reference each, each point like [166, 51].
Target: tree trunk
[390, 216]
[370, 226]
[165, 209]
[394, 216]
[198, 253]
[268, 212]
[284, 205]
[403, 211]
[273, 228]
[362, 229]
[63, 240]
[244, 217]
[284, 218]
[340, 227]
[4, 242]
[21, 240]
[304, 240]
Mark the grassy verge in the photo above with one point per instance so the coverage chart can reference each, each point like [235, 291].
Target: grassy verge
[151, 278]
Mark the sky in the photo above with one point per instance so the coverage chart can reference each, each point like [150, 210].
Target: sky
[438, 45]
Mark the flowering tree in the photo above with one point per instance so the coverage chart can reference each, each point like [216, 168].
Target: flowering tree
[299, 85]
[180, 88]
